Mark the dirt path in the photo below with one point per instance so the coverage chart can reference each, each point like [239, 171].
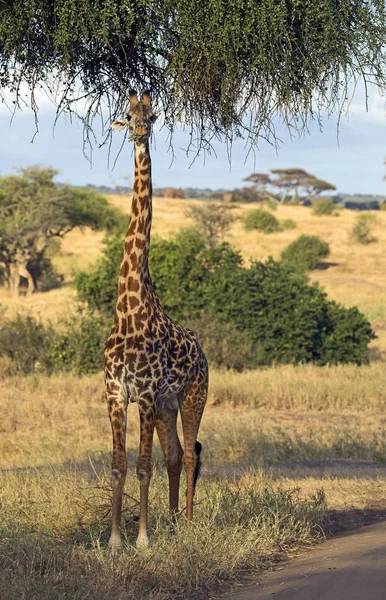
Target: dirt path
[349, 567]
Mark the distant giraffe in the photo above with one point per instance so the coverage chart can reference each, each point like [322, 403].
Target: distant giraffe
[149, 359]
[19, 269]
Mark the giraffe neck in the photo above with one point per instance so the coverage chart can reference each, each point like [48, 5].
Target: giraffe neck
[134, 275]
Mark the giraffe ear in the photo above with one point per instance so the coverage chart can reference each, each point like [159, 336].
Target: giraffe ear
[120, 124]
[133, 99]
[146, 99]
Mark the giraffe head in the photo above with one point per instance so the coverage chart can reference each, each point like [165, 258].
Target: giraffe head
[139, 118]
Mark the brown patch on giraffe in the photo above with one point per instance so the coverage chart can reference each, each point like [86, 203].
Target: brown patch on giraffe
[133, 302]
[124, 303]
[124, 269]
[144, 185]
[110, 342]
[123, 327]
[121, 288]
[141, 225]
[139, 243]
[136, 186]
[133, 284]
[130, 360]
[129, 246]
[143, 201]
[144, 172]
[135, 208]
[134, 262]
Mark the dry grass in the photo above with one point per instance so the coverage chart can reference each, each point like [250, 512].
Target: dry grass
[255, 418]
[251, 500]
[54, 532]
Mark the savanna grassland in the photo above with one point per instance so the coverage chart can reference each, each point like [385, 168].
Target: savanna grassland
[290, 453]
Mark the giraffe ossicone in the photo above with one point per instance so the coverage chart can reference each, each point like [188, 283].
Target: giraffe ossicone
[150, 359]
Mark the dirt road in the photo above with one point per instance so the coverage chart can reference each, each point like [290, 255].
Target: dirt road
[349, 567]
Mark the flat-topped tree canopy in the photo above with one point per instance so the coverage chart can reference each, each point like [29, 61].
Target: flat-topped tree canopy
[219, 67]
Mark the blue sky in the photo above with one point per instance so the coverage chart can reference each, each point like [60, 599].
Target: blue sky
[354, 165]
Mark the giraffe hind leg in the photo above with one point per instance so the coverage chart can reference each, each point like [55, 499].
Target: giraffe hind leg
[192, 407]
[166, 425]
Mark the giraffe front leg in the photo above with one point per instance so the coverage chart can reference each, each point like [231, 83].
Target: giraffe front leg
[144, 465]
[118, 416]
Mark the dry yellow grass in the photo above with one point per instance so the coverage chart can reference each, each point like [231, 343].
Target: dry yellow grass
[256, 418]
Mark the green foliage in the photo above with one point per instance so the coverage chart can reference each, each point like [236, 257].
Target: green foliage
[25, 341]
[288, 224]
[34, 210]
[214, 67]
[261, 220]
[223, 344]
[307, 252]
[362, 230]
[77, 345]
[269, 311]
[322, 206]
[272, 204]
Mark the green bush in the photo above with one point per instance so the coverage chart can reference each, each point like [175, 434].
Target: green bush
[27, 345]
[278, 316]
[288, 224]
[306, 252]
[362, 230]
[223, 344]
[322, 206]
[261, 220]
[25, 341]
[79, 347]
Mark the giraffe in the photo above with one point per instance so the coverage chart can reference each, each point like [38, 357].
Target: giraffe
[149, 359]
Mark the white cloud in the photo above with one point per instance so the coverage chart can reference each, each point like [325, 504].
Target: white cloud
[372, 112]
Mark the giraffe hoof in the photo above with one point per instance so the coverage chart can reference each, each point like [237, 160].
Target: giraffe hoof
[115, 543]
[142, 542]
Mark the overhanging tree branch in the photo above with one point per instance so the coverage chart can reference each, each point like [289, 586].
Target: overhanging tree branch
[222, 69]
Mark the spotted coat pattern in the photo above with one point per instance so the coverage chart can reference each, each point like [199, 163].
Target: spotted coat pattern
[149, 359]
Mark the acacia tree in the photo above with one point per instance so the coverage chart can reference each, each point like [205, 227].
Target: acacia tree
[260, 182]
[315, 186]
[221, 68]
[290, 180]
[34, 210]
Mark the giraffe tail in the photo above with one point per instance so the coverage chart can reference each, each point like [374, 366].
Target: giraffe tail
[198, 448]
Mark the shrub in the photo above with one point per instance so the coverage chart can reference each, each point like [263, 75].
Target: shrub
[25, 341]
[288, 224]
[261, 315]
[272, 204]
[79, 347]
[362, 230]
[307, 251]
[223, 344]
[27, 345]
[261, 220]
[322, 206]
